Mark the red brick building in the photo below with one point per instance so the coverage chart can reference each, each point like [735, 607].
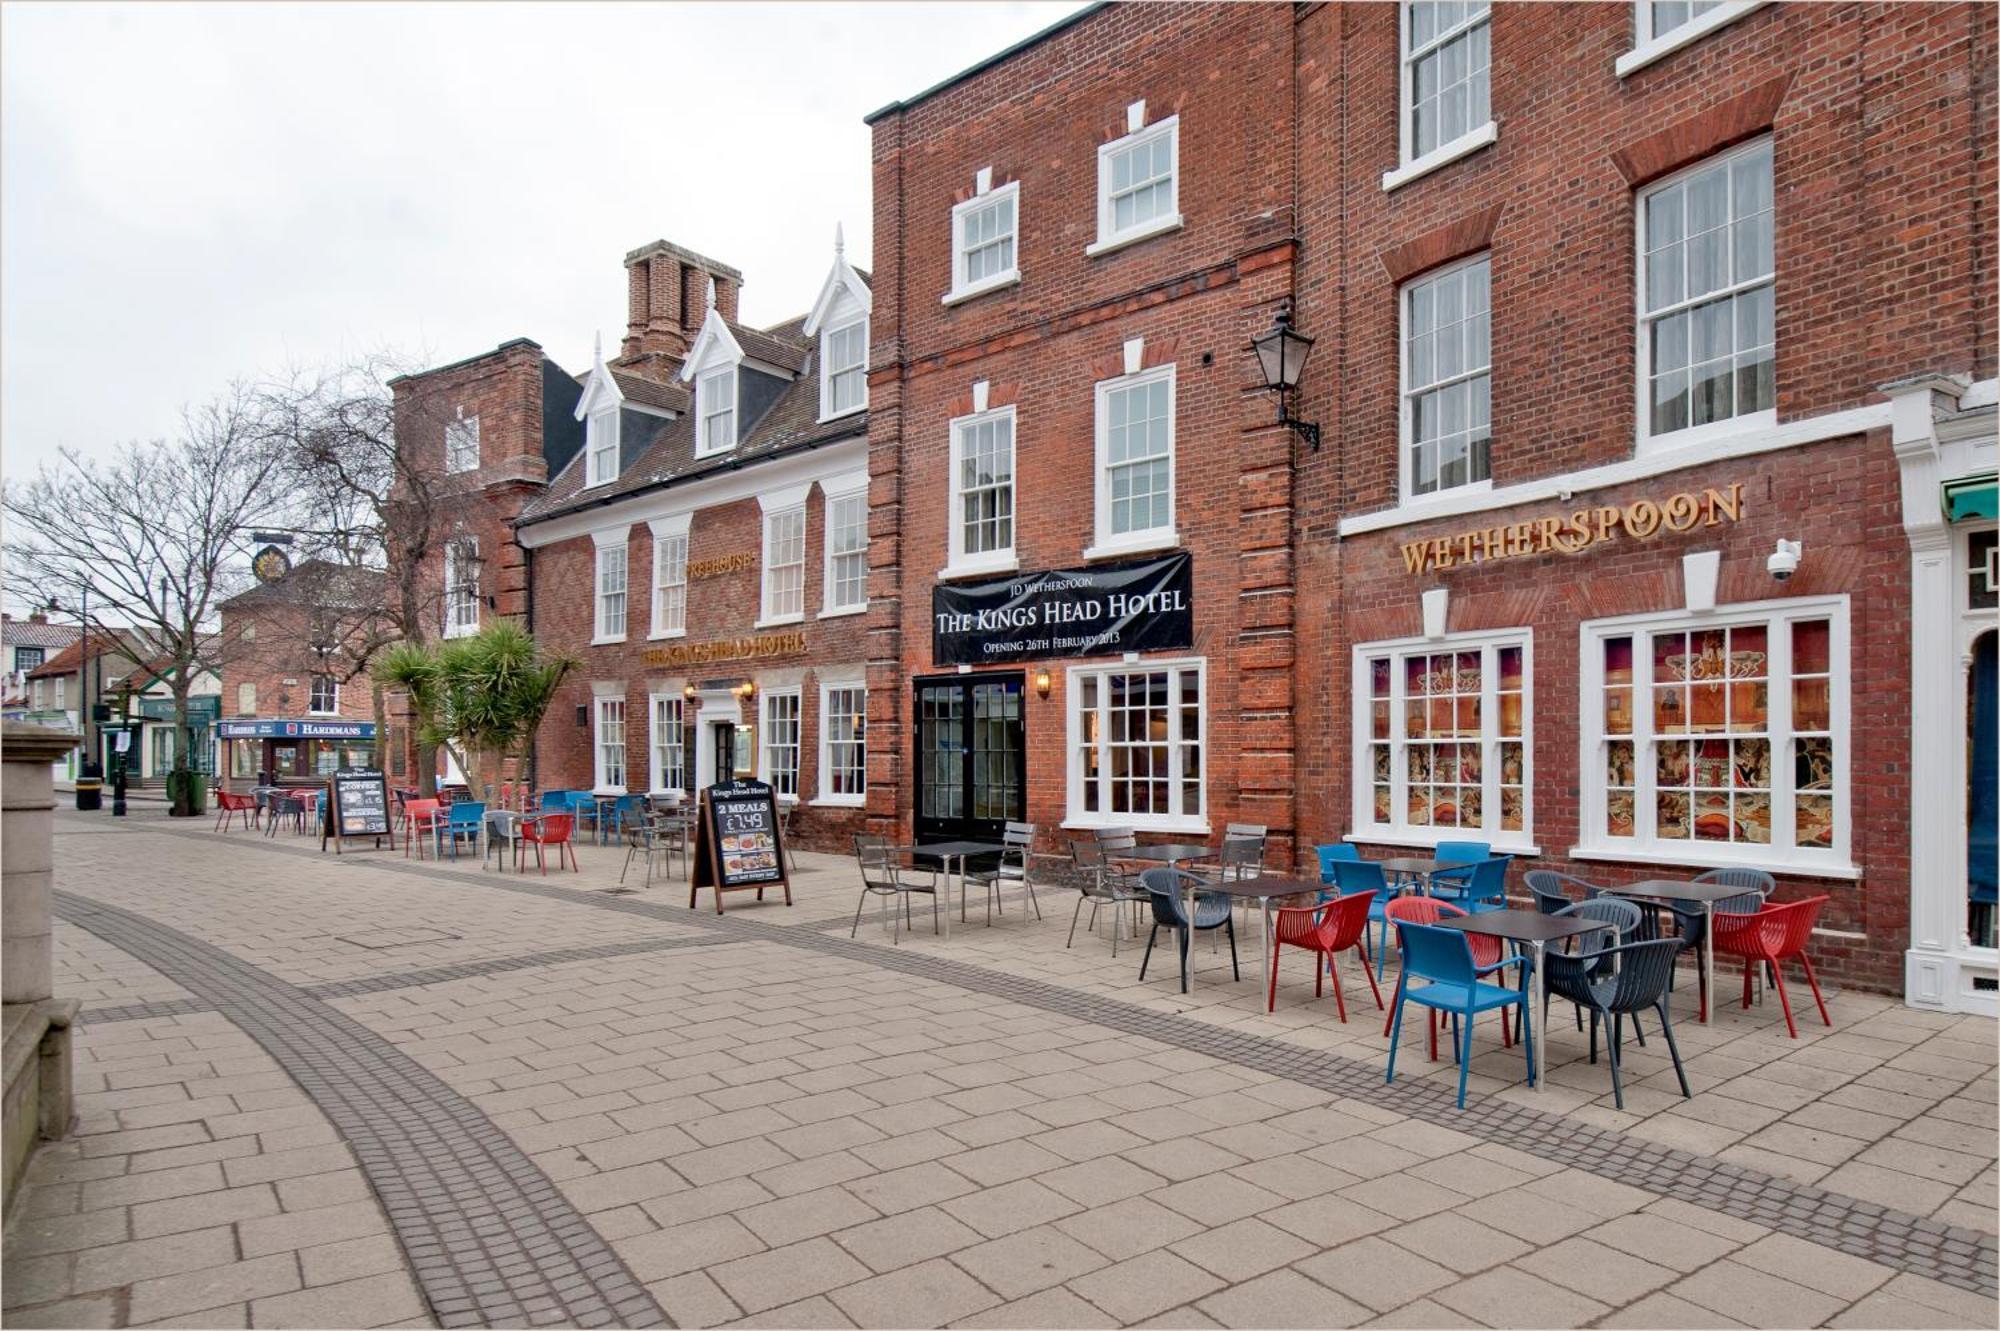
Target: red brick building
[1609, 301]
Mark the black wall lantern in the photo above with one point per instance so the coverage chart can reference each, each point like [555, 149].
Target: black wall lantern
[1281, 355]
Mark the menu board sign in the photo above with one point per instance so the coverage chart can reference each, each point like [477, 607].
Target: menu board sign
[738, 845]
[357, 805]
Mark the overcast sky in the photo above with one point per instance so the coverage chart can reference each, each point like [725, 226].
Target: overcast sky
[195, 193]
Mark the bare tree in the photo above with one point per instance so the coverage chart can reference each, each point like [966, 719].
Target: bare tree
[363, 501]
[157, 535]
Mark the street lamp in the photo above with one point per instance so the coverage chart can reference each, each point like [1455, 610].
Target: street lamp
[1281, 355]
[91, 767]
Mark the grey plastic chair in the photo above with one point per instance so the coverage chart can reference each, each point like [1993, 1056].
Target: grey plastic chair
[1551, 889]
[1014, 867]
[1637, 978]
[1622, 920]
[1166, 888]
[1757, 886]
[882, 877]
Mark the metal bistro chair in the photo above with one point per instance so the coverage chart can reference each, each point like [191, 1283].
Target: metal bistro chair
[882, 877]
[282, 805]
[1613, 982]
[1211, 911]
[1100, 884]
[655, 835]
[1014, 867]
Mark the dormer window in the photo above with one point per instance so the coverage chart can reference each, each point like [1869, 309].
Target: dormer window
[603, 446]
[715, 408]
[844, 370]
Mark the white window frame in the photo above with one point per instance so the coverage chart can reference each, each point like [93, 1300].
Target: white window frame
[1003, 560]
[658, 762]
[834, 494]
[312, 695]
[1743, 423]
[62, 690]
[246, 699]
[827, 796]
[785, 506]
[600, 706]
[612, 554]
[765, 732]
[1398, 830]
[1405, 416]
[1648, 46]
[1644, 847]
[1150, 538]
[1475, 137]
[461, 597]
[1181, 820]
[708, 406]
[828, 372]
[963, 288]
[461, 443]
[1108, 238]
[601, 431]
[670, 581]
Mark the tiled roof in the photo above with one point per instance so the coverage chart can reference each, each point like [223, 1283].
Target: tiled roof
[104, 642]
[652, 393]
[778, 347]
[30, 633]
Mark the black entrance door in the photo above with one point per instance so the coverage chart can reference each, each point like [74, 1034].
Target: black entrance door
[971, 756]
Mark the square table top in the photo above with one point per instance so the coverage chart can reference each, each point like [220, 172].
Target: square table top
[955, 849]
[1677, 889]
[1521, 926]
[1411, 864]
[1170, 852]
[1266, 886]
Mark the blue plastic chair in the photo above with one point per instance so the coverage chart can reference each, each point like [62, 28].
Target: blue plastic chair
[465, 818]
[1212, 910]
[1359, 875]
[1478, 886]
[1328, 855]
[1462, 852]
[1438, 973]
[555, 801]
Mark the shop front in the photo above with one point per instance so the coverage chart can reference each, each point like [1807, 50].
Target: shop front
[279, 752]
[162, 740]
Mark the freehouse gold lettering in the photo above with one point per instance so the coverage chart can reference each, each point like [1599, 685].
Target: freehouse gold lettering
[1573, 533]
[726, 649]
[714, 568]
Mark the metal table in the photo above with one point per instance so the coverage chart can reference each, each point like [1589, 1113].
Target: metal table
[947, 851]
[1534, 931]
[1172, 853]
[1262, 890]
[1413, 867]
[1703, 894]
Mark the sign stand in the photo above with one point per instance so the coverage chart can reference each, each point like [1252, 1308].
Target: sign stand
[357, 805]
[737, 845]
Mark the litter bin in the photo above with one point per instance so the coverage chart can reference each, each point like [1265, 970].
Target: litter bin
[90, 789]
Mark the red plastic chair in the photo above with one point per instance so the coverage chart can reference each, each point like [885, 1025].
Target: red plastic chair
[1486, 951]
[232, 804]
[1336, 926]
[419, 818]
[551, 829]
[1772, 935]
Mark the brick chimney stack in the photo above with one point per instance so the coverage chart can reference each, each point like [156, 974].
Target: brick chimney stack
[667, 298]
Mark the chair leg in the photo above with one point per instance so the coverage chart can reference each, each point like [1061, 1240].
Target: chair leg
[1395, 1030]
[1147, 960]
[1593, 1035]
[857, 913]
[1073, 918]
[1748, 966]
[1785, 1001]
[1339, 1000]
[1506, 1037]
[1235, 969]
[1464, 1058]
[1271, 999]
[1812, 980]
[1667, 1026]
[1369, 976]
[1394, 999]
[1617, 1084]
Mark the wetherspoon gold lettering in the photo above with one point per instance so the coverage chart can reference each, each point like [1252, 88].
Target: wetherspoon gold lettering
[1577, 531]
[726, 649]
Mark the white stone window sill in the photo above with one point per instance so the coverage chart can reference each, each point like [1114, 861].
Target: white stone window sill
[1713, 433]
[1137, 544]
[1388, 836]
[854, 410]
[1159, 226]
[607, 641]
[462, 632]
[959, 295]
[1686, 34]
[1184, 826]
[1443, 155]
[842, 612]
[779, 621]
[657, 634]
[841, 802]
[607, 790]
[980, 568]
[1789, 866]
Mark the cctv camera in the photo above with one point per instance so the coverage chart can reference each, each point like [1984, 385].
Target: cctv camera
[1784, 561]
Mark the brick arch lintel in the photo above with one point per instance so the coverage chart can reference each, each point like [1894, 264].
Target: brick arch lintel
[1723, 125]
[1454, 240]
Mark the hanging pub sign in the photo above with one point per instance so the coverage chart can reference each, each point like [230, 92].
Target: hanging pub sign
[738, 844]
[1144, 605]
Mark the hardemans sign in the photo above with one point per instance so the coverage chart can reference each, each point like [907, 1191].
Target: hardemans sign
[1573, 533]
[1144, 605]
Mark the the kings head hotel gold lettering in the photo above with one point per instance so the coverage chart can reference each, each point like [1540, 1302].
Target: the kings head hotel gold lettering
[715, 568]
[726, 649]
[1578, 531]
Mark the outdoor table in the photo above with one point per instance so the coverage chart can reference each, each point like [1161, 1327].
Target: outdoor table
[947, 851]
[606, 805]
[1703, 894]
[1262, 890]
[1534, 931]
[1412, 867]
[1173, 852]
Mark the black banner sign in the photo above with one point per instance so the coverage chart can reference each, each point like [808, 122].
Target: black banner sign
[1144, 605]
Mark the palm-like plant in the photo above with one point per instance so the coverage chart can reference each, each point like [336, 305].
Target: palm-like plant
[478, 696]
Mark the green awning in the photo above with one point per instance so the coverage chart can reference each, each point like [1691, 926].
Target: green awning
[1972, 497]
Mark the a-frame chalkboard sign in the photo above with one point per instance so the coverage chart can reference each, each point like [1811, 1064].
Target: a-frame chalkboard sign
[357, 805]
[737, 844]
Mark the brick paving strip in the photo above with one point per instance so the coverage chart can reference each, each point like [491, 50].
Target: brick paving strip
[490, 1237]
[375, 984]
[1955, 1255]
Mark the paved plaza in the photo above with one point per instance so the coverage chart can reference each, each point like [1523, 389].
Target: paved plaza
[364, 1091]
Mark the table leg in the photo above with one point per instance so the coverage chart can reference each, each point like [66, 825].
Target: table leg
[1187, 950]
[1707, 959]
[1264, 938]
[1537, 951]
[945, 862]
